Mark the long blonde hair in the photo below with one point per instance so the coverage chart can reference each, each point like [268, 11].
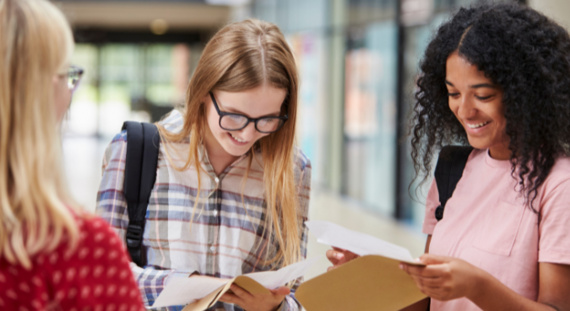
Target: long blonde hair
[240, 57]
[35, 43]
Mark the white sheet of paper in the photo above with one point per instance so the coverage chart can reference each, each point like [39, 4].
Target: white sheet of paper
[359, 243]
[181, 291]
[274, 279]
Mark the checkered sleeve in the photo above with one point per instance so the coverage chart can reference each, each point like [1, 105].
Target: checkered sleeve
[111, 203]
[112, 207]
[151, 282]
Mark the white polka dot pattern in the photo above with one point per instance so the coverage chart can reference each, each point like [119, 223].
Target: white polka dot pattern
[93, 276]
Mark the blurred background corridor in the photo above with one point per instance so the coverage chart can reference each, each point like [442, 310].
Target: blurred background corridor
[357, 59]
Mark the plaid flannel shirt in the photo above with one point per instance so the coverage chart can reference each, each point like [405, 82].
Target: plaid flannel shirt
[225, 238]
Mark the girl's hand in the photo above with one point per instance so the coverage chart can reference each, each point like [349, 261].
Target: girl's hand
[256, 302]
[445, 278]
[338, 257]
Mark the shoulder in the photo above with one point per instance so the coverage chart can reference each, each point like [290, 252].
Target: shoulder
[98, 244]
[96, 233]
[561, 169]
[301, 161]
[173, 121]
[559, 176]
[119, 140]
[116, 150]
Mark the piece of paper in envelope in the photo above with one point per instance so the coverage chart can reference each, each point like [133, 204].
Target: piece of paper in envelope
[373, 282]
[359, 243]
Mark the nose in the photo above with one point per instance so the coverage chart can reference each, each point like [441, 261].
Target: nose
[249, 132]
[466, 109]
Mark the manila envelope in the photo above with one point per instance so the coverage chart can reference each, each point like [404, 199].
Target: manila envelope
[368, 283]
[244, 282]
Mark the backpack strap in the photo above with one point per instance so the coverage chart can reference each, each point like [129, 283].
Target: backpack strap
[140, 174]
[448, 172]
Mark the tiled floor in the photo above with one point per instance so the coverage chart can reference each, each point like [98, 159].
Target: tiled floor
[83, 167]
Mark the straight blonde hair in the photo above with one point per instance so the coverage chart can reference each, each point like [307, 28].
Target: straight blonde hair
[240, 57]
[35, 44]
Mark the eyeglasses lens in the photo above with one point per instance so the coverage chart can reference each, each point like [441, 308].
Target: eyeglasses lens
[233, 122]
[269, 125]
[237, 122]
[73, 77]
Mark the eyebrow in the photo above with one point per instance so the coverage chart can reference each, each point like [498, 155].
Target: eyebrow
[476, 86]
[232, 110]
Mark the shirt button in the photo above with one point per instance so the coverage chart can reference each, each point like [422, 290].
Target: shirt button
[215, 213]
[217, 180]
[212, 248]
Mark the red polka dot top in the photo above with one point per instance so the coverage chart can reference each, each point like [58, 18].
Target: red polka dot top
[94, 277]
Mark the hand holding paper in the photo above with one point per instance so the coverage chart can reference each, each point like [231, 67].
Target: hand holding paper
[205, 291]
[338, 257]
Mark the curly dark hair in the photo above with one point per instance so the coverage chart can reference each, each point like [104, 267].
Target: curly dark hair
[524, 53]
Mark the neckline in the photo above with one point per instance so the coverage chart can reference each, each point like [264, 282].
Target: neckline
[505, 164]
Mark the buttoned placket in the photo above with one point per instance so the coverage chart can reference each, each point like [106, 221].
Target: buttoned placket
[217, 207]
[215, 201]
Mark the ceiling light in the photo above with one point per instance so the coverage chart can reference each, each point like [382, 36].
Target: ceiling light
[159, 26]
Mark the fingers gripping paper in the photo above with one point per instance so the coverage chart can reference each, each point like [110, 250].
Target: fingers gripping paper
[372, 282]
[202, 292]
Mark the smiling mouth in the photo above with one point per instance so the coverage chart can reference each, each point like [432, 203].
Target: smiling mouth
[237, 139]
[475, 126]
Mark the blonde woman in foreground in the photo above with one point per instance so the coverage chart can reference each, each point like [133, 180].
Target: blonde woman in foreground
[52, 256]
[232, 191]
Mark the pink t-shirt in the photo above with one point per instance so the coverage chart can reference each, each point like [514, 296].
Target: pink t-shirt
[486, 224]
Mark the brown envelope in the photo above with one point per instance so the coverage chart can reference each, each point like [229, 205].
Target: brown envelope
[244, 282]
[370, 282]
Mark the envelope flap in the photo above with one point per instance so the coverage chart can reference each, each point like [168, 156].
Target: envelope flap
[370, 282]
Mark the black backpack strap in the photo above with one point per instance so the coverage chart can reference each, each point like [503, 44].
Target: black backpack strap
[448, 172]
[140, 174]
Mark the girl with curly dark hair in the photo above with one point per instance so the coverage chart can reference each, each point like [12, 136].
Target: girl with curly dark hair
[497, 77]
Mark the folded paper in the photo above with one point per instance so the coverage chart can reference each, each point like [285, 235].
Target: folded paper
[202, 292]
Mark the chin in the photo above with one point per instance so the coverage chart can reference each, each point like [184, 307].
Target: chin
[236, 151]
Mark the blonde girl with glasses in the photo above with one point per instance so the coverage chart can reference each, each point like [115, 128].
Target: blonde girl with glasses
[232, 191]
[52, 255]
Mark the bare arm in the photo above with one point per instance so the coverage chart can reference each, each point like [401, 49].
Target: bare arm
[447, 278]
[554, 286]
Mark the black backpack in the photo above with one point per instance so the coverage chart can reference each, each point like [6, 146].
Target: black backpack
[448, 172]
[143, 143]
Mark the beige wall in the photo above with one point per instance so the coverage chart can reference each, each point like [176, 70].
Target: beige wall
[139, 15]
[559, 10]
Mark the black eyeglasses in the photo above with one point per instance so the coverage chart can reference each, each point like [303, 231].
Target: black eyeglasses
[236, 122]
[74, 75]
